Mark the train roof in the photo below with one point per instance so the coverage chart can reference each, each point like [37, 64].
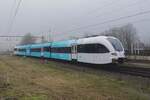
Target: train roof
[22, 46]
[97, 39]
[41, 44]
[65, 43]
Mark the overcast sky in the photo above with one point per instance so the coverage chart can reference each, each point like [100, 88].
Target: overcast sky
[63, 16]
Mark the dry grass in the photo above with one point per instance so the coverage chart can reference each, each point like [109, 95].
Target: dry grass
[29, 79]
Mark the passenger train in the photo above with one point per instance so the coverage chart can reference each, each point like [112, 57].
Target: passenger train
[92, 50]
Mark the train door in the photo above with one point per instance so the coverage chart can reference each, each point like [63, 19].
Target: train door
[49, 51]
[42, 51]
[74, 52]
[28, 51]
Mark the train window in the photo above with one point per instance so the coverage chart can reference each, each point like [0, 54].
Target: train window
[36, 50]
[21, 50]
[116, 44]
[102, 49]
[47, 49]
[74, 49]
[92, 48]
[15, 49]
[61, 50]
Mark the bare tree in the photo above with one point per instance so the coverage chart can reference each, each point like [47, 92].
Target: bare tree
[43, 39]
[126, 34]
[28, 39]
[74, 37]
[147, 47]
[89, 34]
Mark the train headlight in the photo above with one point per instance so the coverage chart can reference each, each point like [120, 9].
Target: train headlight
[114, 54]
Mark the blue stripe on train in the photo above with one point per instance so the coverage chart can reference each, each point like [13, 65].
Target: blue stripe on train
[47, 54]
[66, 43]
[63, 56]
[21, 53]
[36, 54]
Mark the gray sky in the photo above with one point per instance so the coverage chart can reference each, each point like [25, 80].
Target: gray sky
[61, 16]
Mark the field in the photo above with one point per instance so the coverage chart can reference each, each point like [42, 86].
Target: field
[24, 78]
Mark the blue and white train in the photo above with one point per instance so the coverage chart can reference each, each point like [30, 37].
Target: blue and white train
[93, 50]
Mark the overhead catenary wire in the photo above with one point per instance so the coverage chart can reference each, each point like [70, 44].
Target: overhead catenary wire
[97, 9]
[111, 3]
[128, 6]
[112, 20]
[11, 14]
[125, 8]
[100, 32]
[102, 7]
[14, 16]
[121, 24]
[16, 36]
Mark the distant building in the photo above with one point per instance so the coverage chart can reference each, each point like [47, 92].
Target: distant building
[7, 43]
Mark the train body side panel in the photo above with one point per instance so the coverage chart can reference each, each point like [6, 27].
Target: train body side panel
[47, 54]
[28, 50]
[21, 53]
[36, 54]
[62, 56]
[97, 58]
[65, 55]
[67, 43]
[68, 50]
[24, 52]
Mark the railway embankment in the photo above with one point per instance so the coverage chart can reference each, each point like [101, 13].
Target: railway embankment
[140, 58]
[23, 78]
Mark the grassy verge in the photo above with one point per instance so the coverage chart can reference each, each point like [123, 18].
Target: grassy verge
[30, 79]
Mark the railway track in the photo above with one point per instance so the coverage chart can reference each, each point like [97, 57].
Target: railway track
[136, 71]
[123, 69]
[113, 68]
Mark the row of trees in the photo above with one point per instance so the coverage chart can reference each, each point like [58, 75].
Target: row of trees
[30, 39]
[127, 34]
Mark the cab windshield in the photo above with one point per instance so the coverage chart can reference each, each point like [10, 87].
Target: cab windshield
[116, 44]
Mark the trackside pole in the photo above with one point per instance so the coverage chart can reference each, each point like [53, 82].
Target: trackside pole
[43, 60]
[42, 56]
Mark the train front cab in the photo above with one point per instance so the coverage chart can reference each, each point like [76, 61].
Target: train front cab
[62, 50]
[20, 50]
[93, 50]
[117, 54]
[35, 50]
